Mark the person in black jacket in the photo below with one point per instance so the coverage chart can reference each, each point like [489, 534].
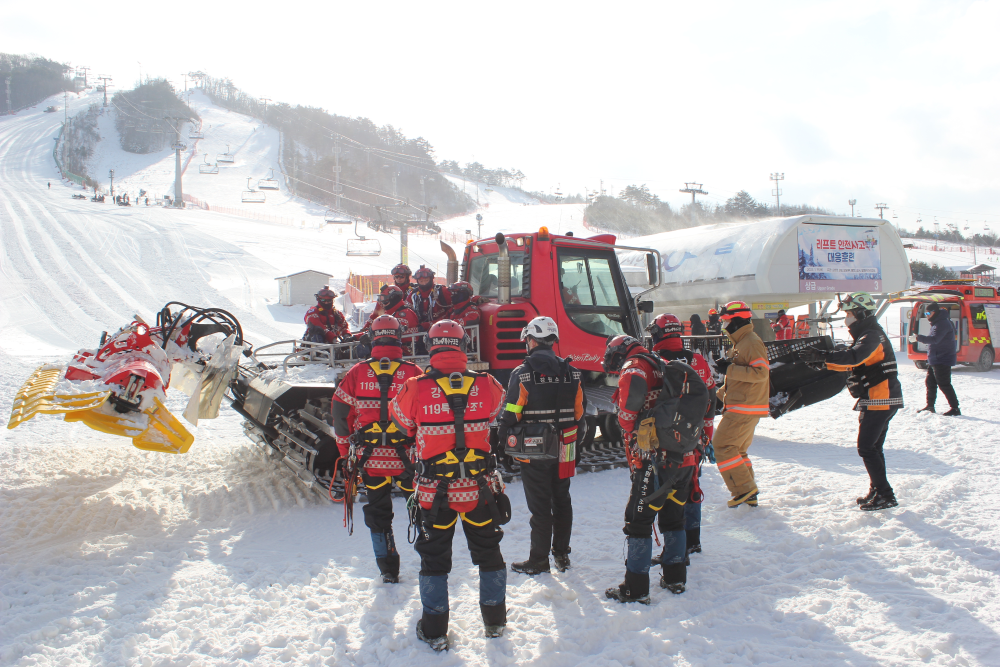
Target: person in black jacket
[545, 388]
[941, 356]
[874, 383]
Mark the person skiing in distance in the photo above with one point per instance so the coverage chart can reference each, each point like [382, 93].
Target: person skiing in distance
[783, 327]
[546, 389]
[429, 301]
[666, 330]
[874, 382]
[941, 356]
[745, 394]
[661, 479]
[448, 410]
[324, 323]
[401, 279]
[365, 434]
[463, 310]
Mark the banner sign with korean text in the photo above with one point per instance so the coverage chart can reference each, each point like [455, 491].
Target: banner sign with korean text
[839, 258]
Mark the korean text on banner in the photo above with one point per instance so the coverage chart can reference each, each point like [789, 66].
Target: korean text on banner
[839, 258]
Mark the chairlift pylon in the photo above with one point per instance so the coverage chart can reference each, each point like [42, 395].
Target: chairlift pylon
[269, 183]
[251, 196]
[362, 247]
[225, 157]
[207, 167]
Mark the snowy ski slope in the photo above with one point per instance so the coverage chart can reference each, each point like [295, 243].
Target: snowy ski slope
[119, 557]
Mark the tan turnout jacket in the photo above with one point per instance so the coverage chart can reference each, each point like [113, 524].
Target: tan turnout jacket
[747, 386]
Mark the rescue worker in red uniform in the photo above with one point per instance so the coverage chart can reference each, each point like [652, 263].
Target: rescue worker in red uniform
[874, 382]
[463, 310]
[546, 389]
[783, 327]
[661, 482]
[324, 323]
[448, 410]
[401, 279]
[367, 437]
[390, 302]
[429, 301]
[666, 330]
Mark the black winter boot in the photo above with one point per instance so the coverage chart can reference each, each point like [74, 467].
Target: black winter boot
[863, 500]
[433, 630]
[389, 567]
[494, 619]
[929, 408]
[881, 501]
[531, 568]
[674, 578]
[954, 412]
[693, 540]
[635, 588]
[561, 561]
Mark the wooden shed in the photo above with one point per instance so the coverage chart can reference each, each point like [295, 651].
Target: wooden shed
[300, 288]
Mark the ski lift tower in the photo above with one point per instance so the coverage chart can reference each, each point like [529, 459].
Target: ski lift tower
[384, 224]
[177, 147]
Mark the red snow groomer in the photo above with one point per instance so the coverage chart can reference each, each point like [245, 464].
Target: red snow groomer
[120, 387]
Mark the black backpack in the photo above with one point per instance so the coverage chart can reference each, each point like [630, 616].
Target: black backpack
[674, 423]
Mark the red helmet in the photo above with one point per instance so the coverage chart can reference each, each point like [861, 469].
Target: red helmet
[326, 295]
[389, 296]
[713, 311]
[460, 292]
[618, 348]
[401, 270]
[736, 309]
[446, 335]
[665, 326]
[386, 330]
[423, 272]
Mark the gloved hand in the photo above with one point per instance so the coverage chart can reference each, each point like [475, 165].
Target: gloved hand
[912, 338]
[722, 364]
[811, 355]
[710, 452]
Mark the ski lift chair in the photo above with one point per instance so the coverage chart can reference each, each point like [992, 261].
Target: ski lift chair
[196, 134]
[251, 196]
[335, 217]
[362, 247]
[225, 157]
[207, 167]
[269, 183]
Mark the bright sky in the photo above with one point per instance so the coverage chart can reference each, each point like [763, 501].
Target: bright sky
[872, 100]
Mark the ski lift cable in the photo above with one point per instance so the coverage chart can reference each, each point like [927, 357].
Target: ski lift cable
[400, 200]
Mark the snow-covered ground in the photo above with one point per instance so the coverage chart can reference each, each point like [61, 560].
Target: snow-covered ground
[115, 556]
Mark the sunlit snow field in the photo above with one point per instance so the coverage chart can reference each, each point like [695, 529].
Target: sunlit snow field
[113, 556]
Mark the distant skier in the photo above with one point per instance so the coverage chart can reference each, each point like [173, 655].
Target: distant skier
[50, 185]
[873, 382]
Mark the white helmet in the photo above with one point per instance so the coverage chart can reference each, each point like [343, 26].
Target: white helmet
[540, 328]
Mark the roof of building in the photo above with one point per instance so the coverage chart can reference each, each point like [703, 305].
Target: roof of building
[299, 273]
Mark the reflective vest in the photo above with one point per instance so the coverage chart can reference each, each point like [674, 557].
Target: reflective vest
[449, 415]
[368, 388]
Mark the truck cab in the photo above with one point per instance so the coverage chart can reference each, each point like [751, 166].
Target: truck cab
[967, 303]
[575, 281]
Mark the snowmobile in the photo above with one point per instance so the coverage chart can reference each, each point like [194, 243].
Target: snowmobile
[120, 386]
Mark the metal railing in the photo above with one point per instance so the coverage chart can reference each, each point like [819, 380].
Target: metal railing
[346, 354]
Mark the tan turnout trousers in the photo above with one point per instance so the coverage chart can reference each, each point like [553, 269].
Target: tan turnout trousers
[731, 441]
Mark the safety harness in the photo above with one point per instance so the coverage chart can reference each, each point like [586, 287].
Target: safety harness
[453, 465]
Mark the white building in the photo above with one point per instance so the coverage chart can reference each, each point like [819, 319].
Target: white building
[300, 288]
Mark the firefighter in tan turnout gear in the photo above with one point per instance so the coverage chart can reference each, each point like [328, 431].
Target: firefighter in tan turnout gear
[745, 400]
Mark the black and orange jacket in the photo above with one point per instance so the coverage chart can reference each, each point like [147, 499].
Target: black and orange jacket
[871, 353]
[748, 380]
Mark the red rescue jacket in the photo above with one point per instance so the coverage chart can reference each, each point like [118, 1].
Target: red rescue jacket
[330, 320]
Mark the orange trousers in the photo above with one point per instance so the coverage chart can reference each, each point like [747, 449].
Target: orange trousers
[732, 439]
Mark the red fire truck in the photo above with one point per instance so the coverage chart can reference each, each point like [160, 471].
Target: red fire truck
[967, 303]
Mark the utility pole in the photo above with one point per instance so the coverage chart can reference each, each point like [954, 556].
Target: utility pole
[105, 80]
[423, 193]
[777, 178]
[852, 202]
[65, 107]
[9, 107]
[881, 207]
[111, 174]
[479, 221]
[689, 188]
[178, 147]
[265, 100]
[85, 70]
